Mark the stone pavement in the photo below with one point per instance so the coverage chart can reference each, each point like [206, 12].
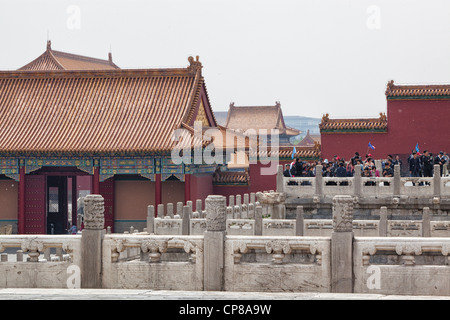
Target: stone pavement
[127, 294]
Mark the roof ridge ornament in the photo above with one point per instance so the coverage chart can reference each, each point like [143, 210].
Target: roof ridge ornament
[49, 44]
[390, 86]
[194, 65]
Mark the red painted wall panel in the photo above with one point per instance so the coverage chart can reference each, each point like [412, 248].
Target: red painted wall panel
[35, 206]
[106, 189]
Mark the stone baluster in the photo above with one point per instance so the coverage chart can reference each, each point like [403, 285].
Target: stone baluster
[397, 181]
[426, 219]
[237, 212]
[437, 181]
[299, 221]
[341, 245]
[19, 256]
[238, 200]
[91, 241]
[252, 197]
[214, 238]
[169, 207]
[151, 219]
[190, 204]
[186, 220]
[231, 201]
[251, 211]
[160, 212]
[383, 226]
[198, 206]
[319, 180]
[180, 209]
[258, 220]
[280, 186]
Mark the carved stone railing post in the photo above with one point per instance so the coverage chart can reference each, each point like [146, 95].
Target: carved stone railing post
[186, 220]
[383, 226]
[426, 218]
[341, 245]
[397, 180]
[150, 219]
[299, 221]
[91, 241]
[280, 186]
[437, 180]
[319, 180]
[274, 202]
[214, 240]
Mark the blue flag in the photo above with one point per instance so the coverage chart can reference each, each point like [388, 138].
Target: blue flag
[417, 147]
[371, 146]
[293, 153]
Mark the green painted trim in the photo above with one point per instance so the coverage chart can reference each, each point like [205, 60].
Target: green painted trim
[446, 97]
[325, 131]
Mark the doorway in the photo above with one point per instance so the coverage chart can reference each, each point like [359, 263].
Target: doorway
[57, 205]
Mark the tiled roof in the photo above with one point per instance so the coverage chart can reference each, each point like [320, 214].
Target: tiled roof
[96, 112]
[58, 60]
[416, 91]
[231, 177]
[257, 118]
[311, 152]
[309, 140]
[353, 125]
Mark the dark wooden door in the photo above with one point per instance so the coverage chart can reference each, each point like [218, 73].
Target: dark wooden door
[34, 204]
[57, 205]
[106, 189]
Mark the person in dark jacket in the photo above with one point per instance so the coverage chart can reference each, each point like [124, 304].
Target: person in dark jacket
[427, 164]
[341, 171]
[440, 160]
[414, 165]
[298, 168]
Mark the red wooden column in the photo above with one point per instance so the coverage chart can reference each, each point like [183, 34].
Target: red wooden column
[96, 181]
[158, 194]
[74, 200]
[21, 213]
[187, 187]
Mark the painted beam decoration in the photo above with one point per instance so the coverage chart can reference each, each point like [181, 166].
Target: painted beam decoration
[144, 167]
[10, 168]
[84, 164]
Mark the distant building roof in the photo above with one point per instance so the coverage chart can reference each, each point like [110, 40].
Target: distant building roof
[100, 112]
[309, 140]
[257, 118]
[394, 91]
[353, 125]
[58, 60]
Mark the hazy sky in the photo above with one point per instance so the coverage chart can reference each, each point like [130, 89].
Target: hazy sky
[314, 56]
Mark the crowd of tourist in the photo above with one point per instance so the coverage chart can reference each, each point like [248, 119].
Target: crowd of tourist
[418, 165]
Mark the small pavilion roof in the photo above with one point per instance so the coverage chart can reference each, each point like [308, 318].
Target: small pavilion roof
[257, 118]
[58, 60]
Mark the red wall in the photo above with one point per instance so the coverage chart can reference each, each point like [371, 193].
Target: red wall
[418, 121]
[409, 122]
[201, 186]
[346, 144]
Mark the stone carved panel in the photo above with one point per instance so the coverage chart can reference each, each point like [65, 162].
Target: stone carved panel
[155, 248]
[278, 249]
[33, 247]
[94, 218]
[216, 213]
[271, 197]
[342, 214]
